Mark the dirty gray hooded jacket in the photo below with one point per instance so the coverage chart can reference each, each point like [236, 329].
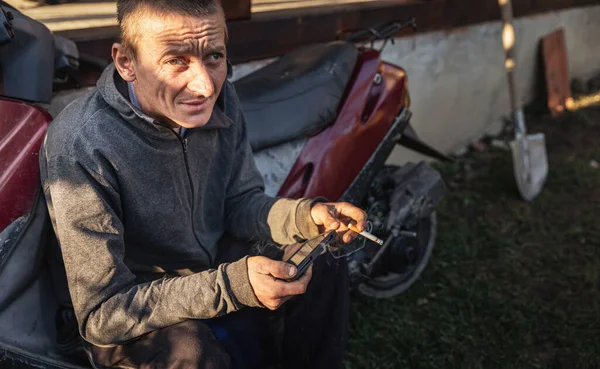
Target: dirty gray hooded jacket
[128, 197]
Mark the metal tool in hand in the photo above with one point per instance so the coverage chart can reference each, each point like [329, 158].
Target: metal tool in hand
[530, 161]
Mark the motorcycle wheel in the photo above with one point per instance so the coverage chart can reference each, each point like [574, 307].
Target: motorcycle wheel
[392, 284]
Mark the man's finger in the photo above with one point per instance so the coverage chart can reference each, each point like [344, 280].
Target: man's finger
[329, 217]
[331, 222]
[290, 288]
[349, 236]
[274, 304]
[325, 215]
[297, 287]
[278, 269]
[354, 213]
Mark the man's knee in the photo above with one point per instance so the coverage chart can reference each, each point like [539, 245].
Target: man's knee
[188, 345]
[191, 344]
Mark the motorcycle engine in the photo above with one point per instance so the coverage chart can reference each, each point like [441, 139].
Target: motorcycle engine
[400, 201]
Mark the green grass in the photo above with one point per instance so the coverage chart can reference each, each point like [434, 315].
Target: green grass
[510, 284]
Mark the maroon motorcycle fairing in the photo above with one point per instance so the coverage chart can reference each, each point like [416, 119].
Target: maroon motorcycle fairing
[332, 159]
[22, 129]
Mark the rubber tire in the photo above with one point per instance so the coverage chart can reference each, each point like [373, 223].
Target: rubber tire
[367, 289]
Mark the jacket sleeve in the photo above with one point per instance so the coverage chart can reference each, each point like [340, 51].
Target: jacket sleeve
[110, 306]
[250, 213]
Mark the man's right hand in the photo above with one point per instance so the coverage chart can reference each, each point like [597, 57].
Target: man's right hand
[266, 279]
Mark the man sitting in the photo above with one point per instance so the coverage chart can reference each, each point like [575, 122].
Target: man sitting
[146, 175]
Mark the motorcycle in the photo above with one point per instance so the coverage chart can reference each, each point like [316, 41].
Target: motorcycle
[322, 121]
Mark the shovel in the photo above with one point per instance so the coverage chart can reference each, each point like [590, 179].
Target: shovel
[530, 161]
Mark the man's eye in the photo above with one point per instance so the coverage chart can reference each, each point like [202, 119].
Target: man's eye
[215, 56]
[176, 61]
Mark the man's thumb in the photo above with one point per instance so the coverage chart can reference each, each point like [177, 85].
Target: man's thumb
[284, 270]
[278, 269]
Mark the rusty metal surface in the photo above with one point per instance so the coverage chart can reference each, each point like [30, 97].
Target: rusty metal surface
[556, 71]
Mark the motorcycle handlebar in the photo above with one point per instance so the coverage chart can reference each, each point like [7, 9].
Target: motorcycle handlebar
[382, 31]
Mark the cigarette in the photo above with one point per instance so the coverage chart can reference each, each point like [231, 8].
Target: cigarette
[366, 234]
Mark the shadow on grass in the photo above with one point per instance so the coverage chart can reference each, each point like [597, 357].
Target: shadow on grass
[510, 284]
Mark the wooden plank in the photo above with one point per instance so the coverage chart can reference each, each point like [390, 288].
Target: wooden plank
[262, 6]
[236, 9]
[273, 33]
[556, 70]
[83, 16]
[262, 36]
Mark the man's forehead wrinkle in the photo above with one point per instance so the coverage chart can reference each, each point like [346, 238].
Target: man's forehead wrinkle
[189, 42]
[185, 33]
[182, 26]
[187, 38]
[168, 34]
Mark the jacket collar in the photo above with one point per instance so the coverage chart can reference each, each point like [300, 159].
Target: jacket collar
[114, 91]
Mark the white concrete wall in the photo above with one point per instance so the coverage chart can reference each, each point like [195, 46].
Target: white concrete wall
[457, 78]
[458, 82]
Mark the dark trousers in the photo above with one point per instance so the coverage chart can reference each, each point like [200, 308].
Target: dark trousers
[308, 331]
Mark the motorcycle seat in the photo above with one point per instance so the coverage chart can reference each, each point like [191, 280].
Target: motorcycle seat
[297, 94]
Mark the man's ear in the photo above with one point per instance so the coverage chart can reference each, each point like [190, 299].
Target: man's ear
[123, 62]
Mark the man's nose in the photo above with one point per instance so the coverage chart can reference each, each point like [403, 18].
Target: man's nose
[201, 83]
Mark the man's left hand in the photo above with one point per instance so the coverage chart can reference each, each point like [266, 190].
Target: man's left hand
[335, 216]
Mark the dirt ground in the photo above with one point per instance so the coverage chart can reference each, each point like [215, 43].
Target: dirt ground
[511, 284]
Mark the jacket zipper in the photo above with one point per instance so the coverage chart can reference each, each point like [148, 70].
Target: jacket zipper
[184, 143]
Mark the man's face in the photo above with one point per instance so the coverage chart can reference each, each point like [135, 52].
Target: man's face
[180, 67]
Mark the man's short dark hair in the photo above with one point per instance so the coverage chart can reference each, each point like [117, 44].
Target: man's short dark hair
[128, 10]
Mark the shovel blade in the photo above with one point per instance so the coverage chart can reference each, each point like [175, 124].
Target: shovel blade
[530, 164]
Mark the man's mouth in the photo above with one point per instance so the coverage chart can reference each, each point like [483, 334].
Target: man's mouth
[196, 104]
